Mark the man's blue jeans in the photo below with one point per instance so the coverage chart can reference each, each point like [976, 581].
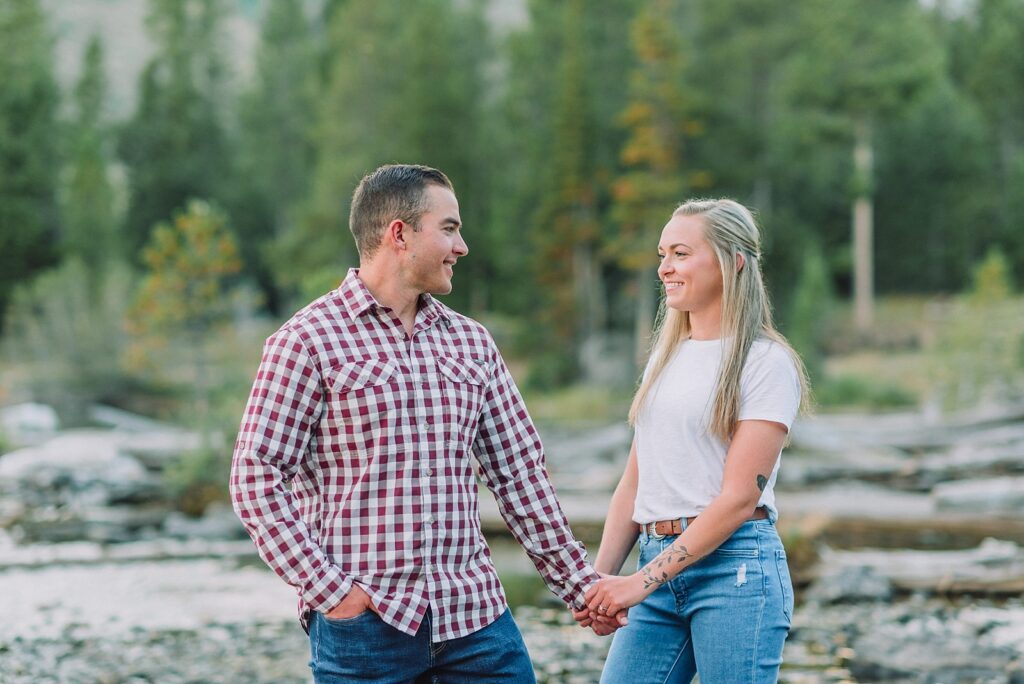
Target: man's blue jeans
[726, 617]
[364, 649]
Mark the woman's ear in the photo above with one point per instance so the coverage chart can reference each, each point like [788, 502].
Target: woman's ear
[740, 261]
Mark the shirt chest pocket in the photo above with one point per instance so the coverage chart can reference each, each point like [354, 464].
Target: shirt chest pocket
[364, 401]
[464, 382]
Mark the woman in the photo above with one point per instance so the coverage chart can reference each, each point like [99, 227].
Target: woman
[713, 594]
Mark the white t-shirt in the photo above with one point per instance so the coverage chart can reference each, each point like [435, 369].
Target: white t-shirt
[680, 463]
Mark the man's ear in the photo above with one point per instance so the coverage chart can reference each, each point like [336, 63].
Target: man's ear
[395, 233]
[740, 261]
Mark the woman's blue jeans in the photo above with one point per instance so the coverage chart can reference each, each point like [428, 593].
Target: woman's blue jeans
[364, 649]
[725, 618]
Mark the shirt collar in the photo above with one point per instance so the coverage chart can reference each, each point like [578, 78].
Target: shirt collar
[357, 300]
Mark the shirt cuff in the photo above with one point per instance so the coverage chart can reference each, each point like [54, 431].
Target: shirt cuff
[327, 591]
[577, 586]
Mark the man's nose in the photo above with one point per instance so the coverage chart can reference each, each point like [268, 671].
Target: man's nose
[460, 248]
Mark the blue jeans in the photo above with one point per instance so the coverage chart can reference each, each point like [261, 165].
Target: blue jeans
[726, 617]
[365, 649]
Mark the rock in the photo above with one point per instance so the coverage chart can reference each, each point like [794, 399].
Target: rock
[127, 422]
[30, 423]
[862, 464]
[218, 522]
[995, 567]
[853, 499]
[80, 486]
[932, 644]
[910, 431]
[77, 457]
[847, 584]
[996, 495]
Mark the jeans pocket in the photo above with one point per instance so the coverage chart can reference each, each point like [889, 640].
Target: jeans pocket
[782, 565]
[347, 620]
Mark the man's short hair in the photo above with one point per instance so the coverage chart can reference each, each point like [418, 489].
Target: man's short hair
[394, 191]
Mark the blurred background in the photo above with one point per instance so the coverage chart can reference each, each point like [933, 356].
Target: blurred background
[174, 183]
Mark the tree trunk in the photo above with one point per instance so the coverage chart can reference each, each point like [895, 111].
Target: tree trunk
[646, 300]
[590, 296]
[863, 228]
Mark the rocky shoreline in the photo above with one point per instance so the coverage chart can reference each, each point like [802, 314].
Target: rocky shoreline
[906, 542]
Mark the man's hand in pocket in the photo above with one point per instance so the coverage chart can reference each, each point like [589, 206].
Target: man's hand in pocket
[355, 603]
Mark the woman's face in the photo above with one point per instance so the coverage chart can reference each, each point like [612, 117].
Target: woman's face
[689, 269]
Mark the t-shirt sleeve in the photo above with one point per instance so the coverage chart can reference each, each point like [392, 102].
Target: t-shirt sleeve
[770, 386]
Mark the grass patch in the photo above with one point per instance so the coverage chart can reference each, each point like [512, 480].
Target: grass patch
[579, 404]
[849, 391]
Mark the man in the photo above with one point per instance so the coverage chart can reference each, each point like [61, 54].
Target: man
[352, 469]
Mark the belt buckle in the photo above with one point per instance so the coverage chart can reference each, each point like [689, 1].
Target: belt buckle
[652, 531]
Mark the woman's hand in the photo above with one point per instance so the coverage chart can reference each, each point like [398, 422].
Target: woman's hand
[611, 595]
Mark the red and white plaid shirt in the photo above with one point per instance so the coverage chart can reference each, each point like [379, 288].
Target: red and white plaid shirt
[353, 465]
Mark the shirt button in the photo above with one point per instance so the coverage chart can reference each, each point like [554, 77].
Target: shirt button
[430, 471]
[430, 520]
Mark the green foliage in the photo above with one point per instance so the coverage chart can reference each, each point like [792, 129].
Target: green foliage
[657, 118]
[276, 146]
[565, 228]
[175, 146]
[861, 60]
[91, 230]
[551, 368]
[404, 85]
[188, 263]
[976, 351]
[184, 294]
[28, 145]
[807, 325]
[562, 404]
[67, 327]
[857, 392]
[932, 189]
[993, 280]
[198, 479]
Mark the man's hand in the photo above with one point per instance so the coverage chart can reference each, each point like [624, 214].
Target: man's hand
[355, 603]
[612, 595]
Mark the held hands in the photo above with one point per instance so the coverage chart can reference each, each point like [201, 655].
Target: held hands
[613, 595]
[602, 622]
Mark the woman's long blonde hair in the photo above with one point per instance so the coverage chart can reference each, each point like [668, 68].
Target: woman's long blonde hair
[730, 229]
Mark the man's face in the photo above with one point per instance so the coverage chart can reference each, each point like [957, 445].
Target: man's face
[436, 245]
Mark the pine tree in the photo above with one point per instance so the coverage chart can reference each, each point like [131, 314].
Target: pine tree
[657, 117]
[184, 292]
[995, 77]
[566, 227]
[90, 227]
[889, 57]
[28, 149]
[175, 146]
[277, 144]
[404, 85]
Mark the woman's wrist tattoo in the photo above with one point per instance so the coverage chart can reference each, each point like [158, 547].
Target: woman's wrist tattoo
[659, 575]
[650, 580]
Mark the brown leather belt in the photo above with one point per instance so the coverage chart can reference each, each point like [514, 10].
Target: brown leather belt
[666, 528]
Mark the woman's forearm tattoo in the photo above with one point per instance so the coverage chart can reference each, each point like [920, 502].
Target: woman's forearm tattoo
[656, 573]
